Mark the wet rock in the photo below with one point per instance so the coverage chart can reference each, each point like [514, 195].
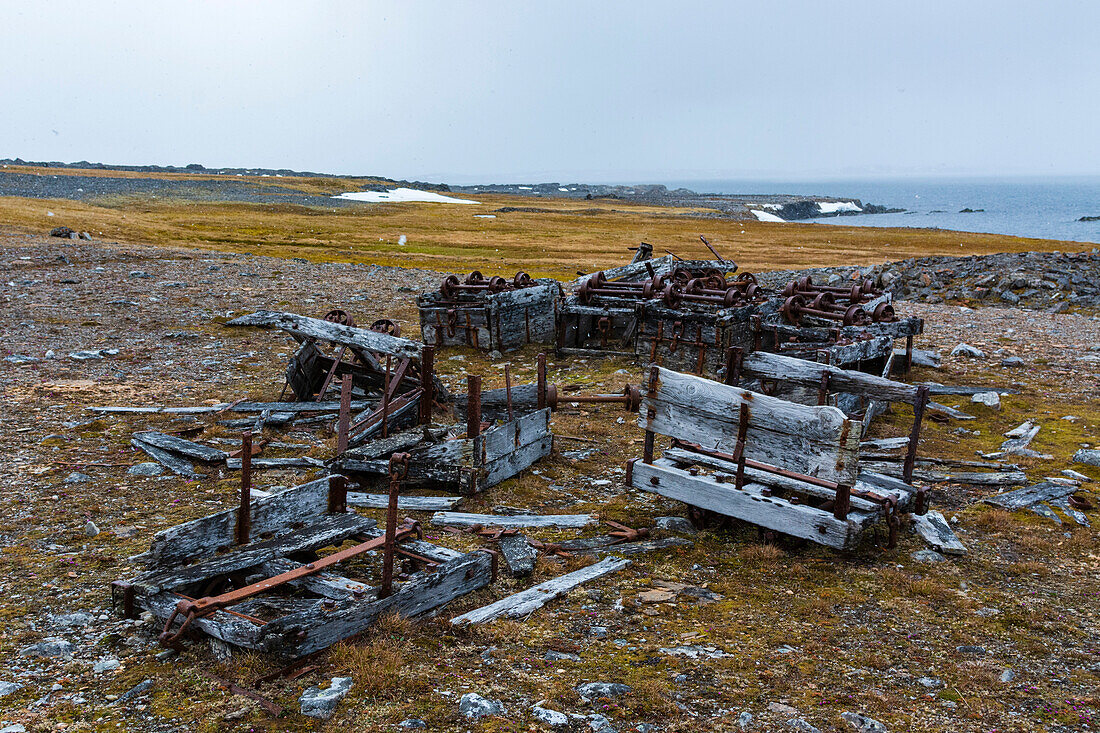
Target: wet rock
[552, 718]
[49, 648]
[596, 690]
[968, 351]
[318, 703]
[475, 707]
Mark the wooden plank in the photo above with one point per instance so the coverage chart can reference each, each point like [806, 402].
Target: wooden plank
[749, 504]
[527, 602]
[494, 402]
[994, 478]
[306, 327]
[763, 365]
[301, 634]
[1077, 516]
[633, 271]
[404, 503]
[885, 444]
[511, 464]
[221, 625]
[331, 531]
[327, 585]
[606, 543]
[234, 464]
[172, 462]
[502, 440]
[685, 458]
[949, 411]
[384, 447]
[516, 521]
[935, 530]
[296, 407]
[206, 535]
[818, 441]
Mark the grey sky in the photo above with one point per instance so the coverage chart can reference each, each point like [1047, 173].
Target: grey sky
[569, 91]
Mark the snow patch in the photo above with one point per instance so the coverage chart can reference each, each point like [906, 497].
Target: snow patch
[831, 207]
[402, 195]
[485, 216]
[765, 216]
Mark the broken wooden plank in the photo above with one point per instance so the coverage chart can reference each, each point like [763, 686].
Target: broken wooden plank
[301, 634]
[234, 464]
[404, 503]
[527, 602]
[1045, 512]
[327, 585]
[306, 327]
[884, 444]
[1019, 438]
[296, 407]
[606, 543]
[172, 462]
[518, 555]
[950, 389]
[935, 530]
[1044, 491]
[516, 521]
[384, 447]
[764, 365]
[993, 478]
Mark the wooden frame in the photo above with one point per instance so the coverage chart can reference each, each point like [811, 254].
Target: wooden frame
[502, 321]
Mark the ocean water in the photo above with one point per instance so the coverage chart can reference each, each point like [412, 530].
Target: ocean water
[1044, 209]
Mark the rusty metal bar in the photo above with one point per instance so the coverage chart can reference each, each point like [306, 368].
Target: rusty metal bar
[473, 415]
[337, 494]
[739, 449]
[399, 469]
[508, 388]
[650, 436]
[344, 420]
[244, 511]
[540, 391]
[427, 385]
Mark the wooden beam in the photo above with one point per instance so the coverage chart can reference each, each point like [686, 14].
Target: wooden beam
[516, 521]
[306, 327]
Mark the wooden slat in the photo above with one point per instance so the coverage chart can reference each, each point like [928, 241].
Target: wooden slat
[516, 521]
[306, 327]
[763, 365]
[818, 441]
[505, 439]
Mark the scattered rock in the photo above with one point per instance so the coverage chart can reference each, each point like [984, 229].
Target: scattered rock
[412, 723]
[475, 707]
[145, 469]
[62, 232]
[141, 274]
[554, 656]
[1012, 361]
[989, 399]
[552, 718]
[600, 724]
[930, 556]
[136, 691]
[77, 478]
[50, 648]
[1007, 676]
[863, 724]
[90, 529]
[694, 652]
[781, 709]
[744, 720]
[656, 596]
[8, 688]
[1088, 457]
[318, 703]
[930, 682]
[968, 351]
[70, 620]
[676, 524]
[596, 690]
[801, 725]
[106, 665]
[971, 650]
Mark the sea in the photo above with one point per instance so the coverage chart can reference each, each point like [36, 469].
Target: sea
[1031, 207]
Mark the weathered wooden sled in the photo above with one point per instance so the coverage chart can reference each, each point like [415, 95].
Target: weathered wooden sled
[261, 580]
[786, 467]
[503, 320]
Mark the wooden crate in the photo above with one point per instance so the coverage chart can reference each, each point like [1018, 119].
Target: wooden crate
[689, 339]
[606, 329]
[492, 322]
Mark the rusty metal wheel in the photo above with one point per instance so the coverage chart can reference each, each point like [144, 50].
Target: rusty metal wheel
[522, 280]
[792, 308]
[856, 316]
[449, 288]
[475, 278]
[672, 295]
[584, 292]
[386, 326]
[747, 277]
[341, 317]
[497, 284]
[883, 313]
[823, 302]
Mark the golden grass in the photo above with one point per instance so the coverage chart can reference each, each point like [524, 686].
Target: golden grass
[573, 236]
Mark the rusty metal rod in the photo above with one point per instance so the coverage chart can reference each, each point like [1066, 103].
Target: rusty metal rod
[244, 511]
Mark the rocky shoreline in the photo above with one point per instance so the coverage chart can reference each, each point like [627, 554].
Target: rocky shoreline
[748, 207]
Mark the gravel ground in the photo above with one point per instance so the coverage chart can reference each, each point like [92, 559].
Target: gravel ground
[161, 310]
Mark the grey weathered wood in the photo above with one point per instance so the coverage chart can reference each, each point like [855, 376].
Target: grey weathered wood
[383, 447]
[518, 555]
[301, 634]
[635, 270]
[527, 602]
[749, 504]
[949, 411]
[935, 530]
[404, 503]
[1044, 491]
[306, 327]
[686, 458]
[606, 543]
[763, 365]
[818, 441]
[399, 417]
[885, 443]
[234, 464]
[331, 531]
[220, 625]
[296, 407]
[514, 521]
[172, 462]
[327, 585]
[1044, 511]
[155, 409]
[297, 505]
[494, 402]
[510, 464]
[958, 389]
[1015, 444]
[502, 440]
[993, 478]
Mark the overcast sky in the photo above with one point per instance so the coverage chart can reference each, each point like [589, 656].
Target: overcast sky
[565, 91]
